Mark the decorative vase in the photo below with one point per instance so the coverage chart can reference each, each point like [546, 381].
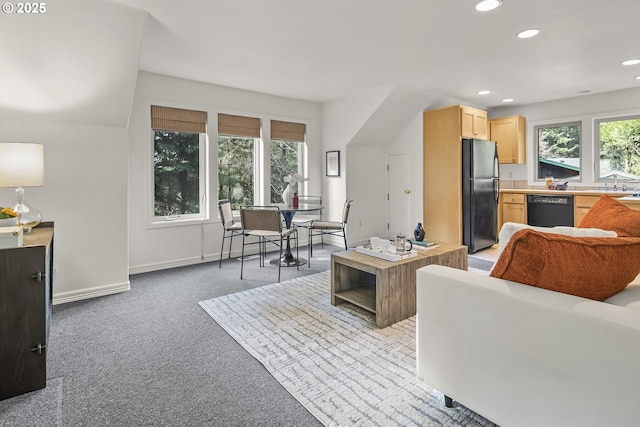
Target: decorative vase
[295, 201]
[418, 233]
[287, 195]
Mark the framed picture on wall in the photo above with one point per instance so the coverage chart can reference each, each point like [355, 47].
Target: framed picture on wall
[333, 163]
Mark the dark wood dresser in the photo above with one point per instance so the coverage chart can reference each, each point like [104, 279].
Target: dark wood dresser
[26, 280]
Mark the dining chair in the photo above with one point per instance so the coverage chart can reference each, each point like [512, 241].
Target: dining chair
[265, 223]
[230, 228]
[337, 228]
[304, 219]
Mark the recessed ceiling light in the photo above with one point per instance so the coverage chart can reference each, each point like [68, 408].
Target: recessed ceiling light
[531, 32]
[507, 100]
[487, 5]
[584, 91]
[631, 62]
[484, 92]
[638, 77]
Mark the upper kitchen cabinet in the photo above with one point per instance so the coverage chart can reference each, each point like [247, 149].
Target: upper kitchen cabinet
[509, 134]
[473, 123]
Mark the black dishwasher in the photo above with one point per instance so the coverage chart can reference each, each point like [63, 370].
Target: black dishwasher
[549, 211]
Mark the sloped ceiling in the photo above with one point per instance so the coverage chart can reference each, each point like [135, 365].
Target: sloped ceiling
[323, 50]
[76, 62]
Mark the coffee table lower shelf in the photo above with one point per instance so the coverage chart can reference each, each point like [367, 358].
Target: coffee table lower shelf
[384, 288]
[362, 296]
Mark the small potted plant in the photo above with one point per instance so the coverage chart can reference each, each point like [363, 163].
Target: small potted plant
[8, 217]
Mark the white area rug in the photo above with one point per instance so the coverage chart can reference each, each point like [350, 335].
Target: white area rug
[334, 360]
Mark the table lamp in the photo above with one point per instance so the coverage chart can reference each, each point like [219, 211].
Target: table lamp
[22, 165]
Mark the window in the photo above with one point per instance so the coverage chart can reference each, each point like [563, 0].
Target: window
[178, 162]
[558, 149]
[287, 154]
[618, 147]
[285, 160]
[237, 137]
[236, 170]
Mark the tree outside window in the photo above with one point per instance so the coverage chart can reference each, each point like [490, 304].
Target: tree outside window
[558, 151]
[177, 174]
[236, 170]
[285, 157]
[619, 147]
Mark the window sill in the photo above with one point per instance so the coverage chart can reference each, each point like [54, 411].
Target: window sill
[178, 222]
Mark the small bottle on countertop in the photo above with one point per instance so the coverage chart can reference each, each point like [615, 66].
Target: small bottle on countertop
[549, 182]
[295, 200]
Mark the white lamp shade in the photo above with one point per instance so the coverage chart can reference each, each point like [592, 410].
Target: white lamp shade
[21, 164]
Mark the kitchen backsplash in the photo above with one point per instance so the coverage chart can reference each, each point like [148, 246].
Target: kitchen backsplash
[520, 184]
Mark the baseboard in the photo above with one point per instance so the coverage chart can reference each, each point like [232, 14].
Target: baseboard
[165, 265]
[98, 291]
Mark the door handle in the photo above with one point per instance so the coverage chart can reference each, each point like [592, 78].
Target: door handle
[407, 191]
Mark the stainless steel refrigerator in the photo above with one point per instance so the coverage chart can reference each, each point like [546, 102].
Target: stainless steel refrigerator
[480, 192]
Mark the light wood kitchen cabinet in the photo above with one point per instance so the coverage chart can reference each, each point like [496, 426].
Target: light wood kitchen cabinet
[581, 205]
[443, 130]
[473, 123]
[513, 208]
[510, 135]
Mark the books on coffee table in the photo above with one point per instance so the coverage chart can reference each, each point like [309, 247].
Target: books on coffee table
[424, 243]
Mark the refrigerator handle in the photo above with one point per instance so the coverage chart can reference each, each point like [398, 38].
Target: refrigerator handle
[496, 164]
[496, 190]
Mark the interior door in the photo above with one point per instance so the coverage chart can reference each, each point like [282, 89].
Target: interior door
[400, 192]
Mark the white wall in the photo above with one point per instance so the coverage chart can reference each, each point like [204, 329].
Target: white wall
[98, 177]
[410, 141]
[85, 194]
[585, 108]
[175, 244]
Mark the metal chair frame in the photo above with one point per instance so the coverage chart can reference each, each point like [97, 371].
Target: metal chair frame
[265, 223]
[335, 228]
[228, 226]
[305, 222]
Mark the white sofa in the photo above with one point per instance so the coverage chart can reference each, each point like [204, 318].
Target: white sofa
[524, 356]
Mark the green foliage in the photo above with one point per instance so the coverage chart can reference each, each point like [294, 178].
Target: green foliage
[284, 161]
[560, 142]
[620, 145]
[176, 173]
[236, 170]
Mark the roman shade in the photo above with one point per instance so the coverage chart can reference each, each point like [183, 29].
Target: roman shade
[238, 126]
[288, 131]
[178, 120]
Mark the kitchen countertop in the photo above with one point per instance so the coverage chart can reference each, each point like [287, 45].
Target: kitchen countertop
[578, 192]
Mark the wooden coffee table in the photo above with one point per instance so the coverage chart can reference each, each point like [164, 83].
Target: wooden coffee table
[386, 288]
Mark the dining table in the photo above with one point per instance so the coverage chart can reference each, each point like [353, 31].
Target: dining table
[288, 212]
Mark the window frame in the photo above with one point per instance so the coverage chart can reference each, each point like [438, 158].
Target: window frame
[536, 148]
[203, 169]
[597, 144]
[209, 173]
[302, 166]
[256, 154]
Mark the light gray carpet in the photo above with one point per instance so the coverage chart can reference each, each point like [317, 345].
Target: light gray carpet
[333, 359]
[149, 357]
[40, 408]
[153, 357]
[477, 263]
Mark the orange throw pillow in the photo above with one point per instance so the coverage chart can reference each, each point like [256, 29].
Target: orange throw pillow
[588, 267]
[609, 214]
